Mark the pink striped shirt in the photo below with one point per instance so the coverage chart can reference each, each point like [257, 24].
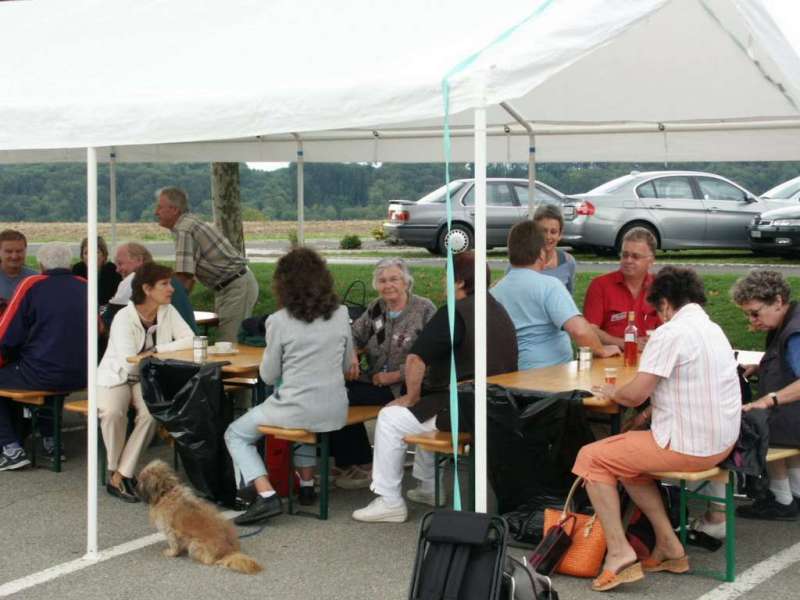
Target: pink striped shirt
[697, 404]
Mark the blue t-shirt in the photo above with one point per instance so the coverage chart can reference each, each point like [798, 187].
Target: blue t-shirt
[538, 305]
[9, 284]
[793, 353]
[564, 271]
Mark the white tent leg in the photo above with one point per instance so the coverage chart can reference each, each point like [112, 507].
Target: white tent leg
[531, 175]
[112, 209]
[91, 380]
[301, 218]
[480, 450]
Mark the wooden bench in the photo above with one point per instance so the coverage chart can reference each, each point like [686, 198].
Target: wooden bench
[37, 400]
[355, 414]
[441, 444]
[729, 479]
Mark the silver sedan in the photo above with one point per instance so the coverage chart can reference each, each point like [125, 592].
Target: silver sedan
[424, 222]
[683, 209]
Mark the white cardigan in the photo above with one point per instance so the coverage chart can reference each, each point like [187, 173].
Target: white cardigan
[127, 338]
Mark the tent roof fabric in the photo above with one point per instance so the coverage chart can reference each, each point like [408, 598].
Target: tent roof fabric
[233, 79]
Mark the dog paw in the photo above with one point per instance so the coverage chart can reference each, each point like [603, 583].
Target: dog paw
[170, 552]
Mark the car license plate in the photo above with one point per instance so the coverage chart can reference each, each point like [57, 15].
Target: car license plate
[755, 234]
[569, 212]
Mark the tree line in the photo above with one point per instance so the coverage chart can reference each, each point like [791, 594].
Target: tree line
[57, 192]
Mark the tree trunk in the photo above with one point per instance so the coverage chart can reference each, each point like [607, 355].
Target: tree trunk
[227, 203]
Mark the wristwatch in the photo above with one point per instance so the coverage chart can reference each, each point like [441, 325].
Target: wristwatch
[774, 397]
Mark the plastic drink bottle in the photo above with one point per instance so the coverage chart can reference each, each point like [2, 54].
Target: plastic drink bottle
[631, 350]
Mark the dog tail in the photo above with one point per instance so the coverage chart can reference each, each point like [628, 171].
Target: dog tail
[237, 561]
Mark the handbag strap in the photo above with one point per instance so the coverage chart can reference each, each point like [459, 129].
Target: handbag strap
[568, 502]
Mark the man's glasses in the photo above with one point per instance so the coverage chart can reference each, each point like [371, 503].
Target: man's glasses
[635, 256]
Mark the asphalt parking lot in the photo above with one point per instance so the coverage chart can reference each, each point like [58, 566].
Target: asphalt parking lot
[43, 520]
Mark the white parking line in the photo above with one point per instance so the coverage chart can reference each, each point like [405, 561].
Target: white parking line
[54, 572]
[755, 575]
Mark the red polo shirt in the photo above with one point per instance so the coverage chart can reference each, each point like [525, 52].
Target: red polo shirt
[608, 301]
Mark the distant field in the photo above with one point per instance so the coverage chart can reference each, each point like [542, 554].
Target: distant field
[253, 230]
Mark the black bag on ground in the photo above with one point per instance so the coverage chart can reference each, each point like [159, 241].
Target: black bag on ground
[253, 331]
[533, 440]
[189, 400]
[521, 582]
[460, 556]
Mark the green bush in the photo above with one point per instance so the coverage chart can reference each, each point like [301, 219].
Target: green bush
[293, 239]
[378, 234]
[350, 242]
[250, 213]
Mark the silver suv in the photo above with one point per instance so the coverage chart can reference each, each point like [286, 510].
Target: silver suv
[424, 222]
[683, 209]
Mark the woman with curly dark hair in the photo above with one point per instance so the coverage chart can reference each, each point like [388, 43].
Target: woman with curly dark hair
[309, 349]
[689, 373]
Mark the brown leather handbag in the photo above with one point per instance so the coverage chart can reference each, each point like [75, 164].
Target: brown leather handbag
[584, 556]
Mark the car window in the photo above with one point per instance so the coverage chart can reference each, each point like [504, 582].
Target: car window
[540, 195]
[609, 187]
[497, 194]
[646, 190]
[438, 195]
[673, 187]
[784, 191]
[716, 189]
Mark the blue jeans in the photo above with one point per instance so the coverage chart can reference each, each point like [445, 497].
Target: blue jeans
[241, 437]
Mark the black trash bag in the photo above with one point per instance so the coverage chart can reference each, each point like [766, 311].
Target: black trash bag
[526, 522]
[253, 331]
[189, 400]
[533, 437]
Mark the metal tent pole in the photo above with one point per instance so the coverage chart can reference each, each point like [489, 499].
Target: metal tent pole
[300, 193]
[91, 358]
[112, 192]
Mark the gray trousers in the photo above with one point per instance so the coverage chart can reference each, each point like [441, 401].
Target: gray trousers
[234, 303]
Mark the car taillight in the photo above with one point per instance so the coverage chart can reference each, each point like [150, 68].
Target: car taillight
[398, 215]
[585, 208]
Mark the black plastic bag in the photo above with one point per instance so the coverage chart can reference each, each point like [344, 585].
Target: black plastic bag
[189, 400]
[533, 438]
[526, 522]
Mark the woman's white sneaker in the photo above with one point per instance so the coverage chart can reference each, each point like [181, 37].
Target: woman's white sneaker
[425, 496]
[378, 511]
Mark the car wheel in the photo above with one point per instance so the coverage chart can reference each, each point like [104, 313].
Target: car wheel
[459, 238]
[434, 250]
[618, 245]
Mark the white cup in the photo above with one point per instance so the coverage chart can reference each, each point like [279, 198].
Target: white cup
[223, 346]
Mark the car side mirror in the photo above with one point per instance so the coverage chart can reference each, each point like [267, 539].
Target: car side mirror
[750, 199]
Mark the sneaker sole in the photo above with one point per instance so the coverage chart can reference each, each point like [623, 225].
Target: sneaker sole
[17, 465]
[399, 518]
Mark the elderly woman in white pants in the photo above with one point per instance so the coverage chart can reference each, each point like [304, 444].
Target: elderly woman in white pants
[149, 323]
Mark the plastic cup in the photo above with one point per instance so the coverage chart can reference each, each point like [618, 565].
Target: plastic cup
[611, 375]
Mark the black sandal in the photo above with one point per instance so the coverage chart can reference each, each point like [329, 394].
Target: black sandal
[122, 491]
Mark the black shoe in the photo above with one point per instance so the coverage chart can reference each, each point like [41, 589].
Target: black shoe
[307, 495]
[769, 509]
[123, 492]
[17, 459]
[260, 510]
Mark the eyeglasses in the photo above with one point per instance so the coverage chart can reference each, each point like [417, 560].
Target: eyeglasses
[754, 313]
[635, 256]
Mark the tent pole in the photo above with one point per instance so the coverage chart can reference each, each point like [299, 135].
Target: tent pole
[112, 189]
[300, 192]
[531, 175]
[91, 380]
[481, 448]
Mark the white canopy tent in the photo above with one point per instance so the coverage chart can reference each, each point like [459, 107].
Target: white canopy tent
[179, 80]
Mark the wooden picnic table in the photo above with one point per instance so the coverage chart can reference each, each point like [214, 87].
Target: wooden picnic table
[244, 363]
[749, 357]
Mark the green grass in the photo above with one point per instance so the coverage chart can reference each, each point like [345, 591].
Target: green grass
[429, 282]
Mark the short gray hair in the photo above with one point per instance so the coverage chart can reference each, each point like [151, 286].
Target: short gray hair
[54, 255]
[138, 252]
[640, 234]
[763, 285]
[397, 263]
[176, 197]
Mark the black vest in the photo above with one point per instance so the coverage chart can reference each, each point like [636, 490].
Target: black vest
[774, 375]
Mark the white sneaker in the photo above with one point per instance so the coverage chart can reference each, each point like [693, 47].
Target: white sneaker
[715, 530]
[378, 511]
[425, 496]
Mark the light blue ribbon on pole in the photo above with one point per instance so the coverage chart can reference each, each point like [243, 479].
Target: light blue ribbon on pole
[451, 285]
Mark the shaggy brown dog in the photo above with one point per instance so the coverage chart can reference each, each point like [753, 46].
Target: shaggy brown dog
[191, 525]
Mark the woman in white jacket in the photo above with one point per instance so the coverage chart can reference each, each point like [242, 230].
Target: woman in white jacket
[148, 324]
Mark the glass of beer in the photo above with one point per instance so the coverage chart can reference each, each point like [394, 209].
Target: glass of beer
[611, 375]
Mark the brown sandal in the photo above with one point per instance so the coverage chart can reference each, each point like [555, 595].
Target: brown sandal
[671, 565]
[608, 580]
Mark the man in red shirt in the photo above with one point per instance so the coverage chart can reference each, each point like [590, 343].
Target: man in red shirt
[610, 297]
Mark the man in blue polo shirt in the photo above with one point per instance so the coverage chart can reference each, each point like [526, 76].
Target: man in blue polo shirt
[544, 314]
[42, 343]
